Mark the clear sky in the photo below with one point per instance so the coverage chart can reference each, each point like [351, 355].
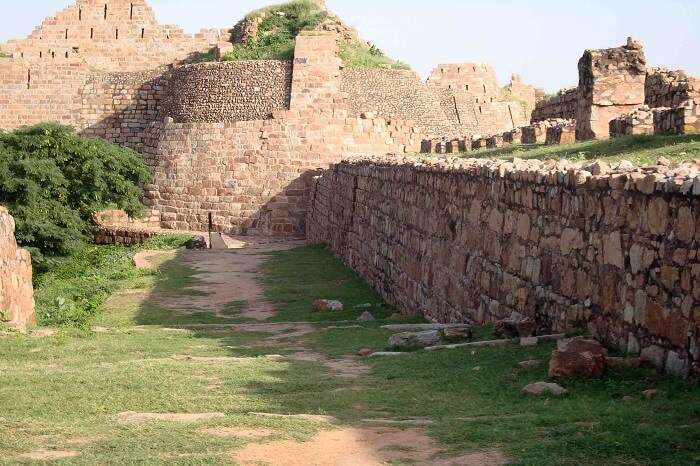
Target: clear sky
[540, 39]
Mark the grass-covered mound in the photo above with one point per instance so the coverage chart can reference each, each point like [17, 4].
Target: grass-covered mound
[278, 25]
[53, 181]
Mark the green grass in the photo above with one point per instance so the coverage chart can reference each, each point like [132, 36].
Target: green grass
[362, 56]
[641, 150]
[317, 275]
[64, 392]
[73, 290]
[484, 408]
[280, 24]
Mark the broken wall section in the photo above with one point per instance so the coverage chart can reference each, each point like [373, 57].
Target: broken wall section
[611, 83]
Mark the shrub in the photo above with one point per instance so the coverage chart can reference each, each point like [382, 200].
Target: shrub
[280, 24]
[72, 292]
[361, 56]
[278, 28]
[52, 181]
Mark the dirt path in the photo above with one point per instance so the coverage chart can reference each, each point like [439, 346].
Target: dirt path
[226, 279]
[231, 277]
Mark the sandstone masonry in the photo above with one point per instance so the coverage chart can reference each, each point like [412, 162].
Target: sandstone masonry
[474, 240]
[16, 292]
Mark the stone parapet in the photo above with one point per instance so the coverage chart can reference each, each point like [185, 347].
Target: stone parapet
[462, 240]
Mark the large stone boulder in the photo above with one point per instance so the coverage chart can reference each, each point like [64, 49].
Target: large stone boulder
[515, 326]
[414, 340]
[578, 357]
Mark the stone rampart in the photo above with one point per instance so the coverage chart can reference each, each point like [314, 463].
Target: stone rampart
[111, 35]
[16, 292]
[396, 94]
[229, 91]
[475, 240]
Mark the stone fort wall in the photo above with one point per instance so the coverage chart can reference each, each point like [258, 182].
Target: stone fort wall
[475, 240]
[113, 35]
[16, 292]
[470, 96]
[232, 91]
[397, 94]
[563, 105]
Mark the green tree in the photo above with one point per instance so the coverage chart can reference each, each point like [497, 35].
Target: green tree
[53, 181]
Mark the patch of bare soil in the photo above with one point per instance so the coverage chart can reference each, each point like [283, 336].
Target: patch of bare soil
[147, 259]
[348, 367]
[50, 455]
[131, 417]
[361, 447]
[237, 432]
[226, 277]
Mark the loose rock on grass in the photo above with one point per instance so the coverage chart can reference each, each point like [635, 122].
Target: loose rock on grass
[327, 305]
[544, 388]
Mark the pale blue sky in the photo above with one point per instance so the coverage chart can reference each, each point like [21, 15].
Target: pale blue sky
[540, 39]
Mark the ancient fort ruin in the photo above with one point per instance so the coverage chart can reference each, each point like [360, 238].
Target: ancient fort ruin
[251, 143]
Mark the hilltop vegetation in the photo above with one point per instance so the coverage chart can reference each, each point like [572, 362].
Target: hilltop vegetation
[269, 34]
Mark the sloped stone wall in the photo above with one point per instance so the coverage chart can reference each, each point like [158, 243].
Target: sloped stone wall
[230, 91]
[16, 292]
[475, 240]
[396, 94]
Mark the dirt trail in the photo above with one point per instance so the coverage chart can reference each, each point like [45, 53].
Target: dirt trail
[232, 276]
[227, 279]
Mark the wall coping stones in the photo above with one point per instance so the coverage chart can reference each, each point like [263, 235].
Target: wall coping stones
[682, 179]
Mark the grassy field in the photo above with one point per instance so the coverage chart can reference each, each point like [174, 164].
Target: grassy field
[64, 392]
[641, 150]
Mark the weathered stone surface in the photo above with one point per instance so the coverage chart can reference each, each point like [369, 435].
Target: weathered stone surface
[366, 317]
[544, 388]
[455, 334]
[578, 357]
[414, 340]
[327, 305]
[630, 287]
[16, 291]
[515, 326]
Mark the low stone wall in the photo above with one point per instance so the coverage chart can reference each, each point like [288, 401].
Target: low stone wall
[664, 88]
[16, 292]
[563, 132]
[678, 120]
[562, 105]
[475, 240]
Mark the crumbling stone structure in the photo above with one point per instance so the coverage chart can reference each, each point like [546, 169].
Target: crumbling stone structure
[563, 105]
[16, 292]
[238, 139]
[611, 83]
[474, 240]
[672, 105]
[471, 98]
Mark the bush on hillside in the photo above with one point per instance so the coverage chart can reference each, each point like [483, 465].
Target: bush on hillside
[280, 24]
[53, 180]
